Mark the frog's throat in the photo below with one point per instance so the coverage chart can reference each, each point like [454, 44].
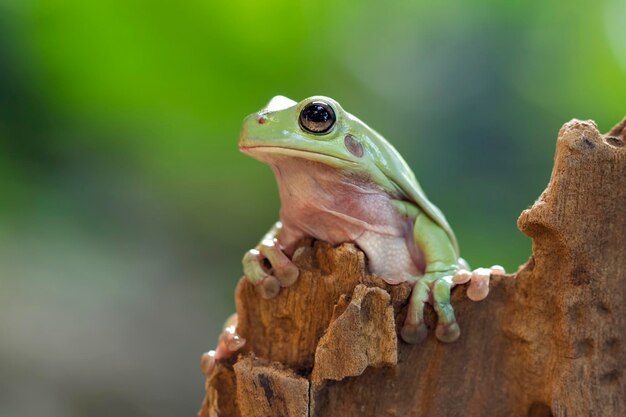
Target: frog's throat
[285, 150]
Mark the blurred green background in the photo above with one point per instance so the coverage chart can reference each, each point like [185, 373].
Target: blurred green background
[125, 206]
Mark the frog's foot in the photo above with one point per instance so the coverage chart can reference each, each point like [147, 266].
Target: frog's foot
[478, 279]
[228, 343]
[269, 268]
[433, 287]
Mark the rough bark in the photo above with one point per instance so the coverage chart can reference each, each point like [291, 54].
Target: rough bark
[548, 341]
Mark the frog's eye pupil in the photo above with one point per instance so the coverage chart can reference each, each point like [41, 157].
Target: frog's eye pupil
[317, 117]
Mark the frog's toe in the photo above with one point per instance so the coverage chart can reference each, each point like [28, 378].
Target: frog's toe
[252, 267]
[448, 332]
[207, 362]
[414, 333]
[269, 287]
[281, 266]
[462, 276]
[479, 285]
[414, 330]
[447, 328]
[287, 274]
[497, 270]
[230, 338]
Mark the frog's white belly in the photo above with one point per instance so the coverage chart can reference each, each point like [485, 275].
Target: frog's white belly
[322, 203]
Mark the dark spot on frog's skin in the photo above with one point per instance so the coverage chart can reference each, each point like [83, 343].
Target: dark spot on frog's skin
[267, 387]
[261, 119]
[353, 146]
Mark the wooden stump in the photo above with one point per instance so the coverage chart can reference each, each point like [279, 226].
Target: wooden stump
[548, 341]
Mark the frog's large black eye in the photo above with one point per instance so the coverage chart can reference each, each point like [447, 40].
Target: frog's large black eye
[317, 117]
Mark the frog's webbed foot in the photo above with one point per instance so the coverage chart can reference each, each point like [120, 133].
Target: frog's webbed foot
[435, 287]
[269, 268]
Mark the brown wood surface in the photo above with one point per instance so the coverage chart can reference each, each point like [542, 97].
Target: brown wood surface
[548, 341]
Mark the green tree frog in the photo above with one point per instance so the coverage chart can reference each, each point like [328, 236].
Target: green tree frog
[340, 181]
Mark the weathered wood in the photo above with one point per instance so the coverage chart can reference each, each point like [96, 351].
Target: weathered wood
[550, 341]
[270, 390]
[362, 334]
[221, 393]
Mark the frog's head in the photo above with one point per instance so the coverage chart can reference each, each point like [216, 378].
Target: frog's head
[316, 129]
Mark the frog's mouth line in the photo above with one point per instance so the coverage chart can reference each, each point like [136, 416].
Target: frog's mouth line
[285, 150]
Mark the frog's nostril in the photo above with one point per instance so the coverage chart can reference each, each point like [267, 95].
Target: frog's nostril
[261, 119]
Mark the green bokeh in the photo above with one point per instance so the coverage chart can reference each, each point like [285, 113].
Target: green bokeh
[125, 206]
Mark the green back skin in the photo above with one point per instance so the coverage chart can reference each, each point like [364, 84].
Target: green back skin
[391, 163]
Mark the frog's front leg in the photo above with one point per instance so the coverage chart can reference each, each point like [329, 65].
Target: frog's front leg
[435, 285]
[268, 267]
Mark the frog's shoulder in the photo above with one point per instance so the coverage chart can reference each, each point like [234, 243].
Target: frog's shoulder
[398, 171]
